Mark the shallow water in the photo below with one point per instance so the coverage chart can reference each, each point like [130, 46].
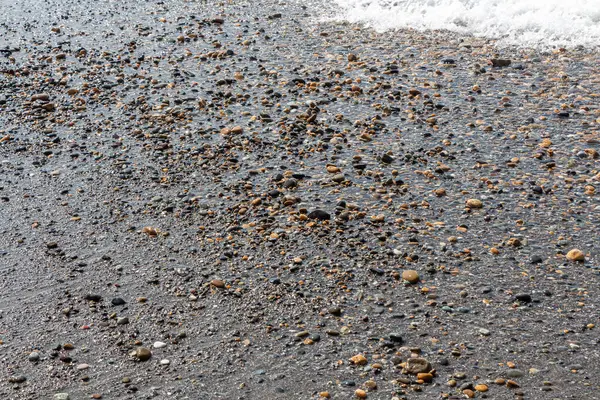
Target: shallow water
[530, 23]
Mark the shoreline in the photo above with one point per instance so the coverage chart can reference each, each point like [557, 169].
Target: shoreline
[235, 201]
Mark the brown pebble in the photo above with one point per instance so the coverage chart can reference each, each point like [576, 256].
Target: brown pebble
[150, 231]
[358, 359]
[416, 366]
[371, 384]
[143, 354]
[481, 387]
[575, 255]
[40, 97]
[425, 377]
[498, 63]
[361, 394]
[474, 203]
[500, 381]
[469, 393]
[410, 276]
[218, 283]
[512, 384]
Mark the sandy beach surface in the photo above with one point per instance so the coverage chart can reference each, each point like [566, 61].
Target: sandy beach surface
[242, 200]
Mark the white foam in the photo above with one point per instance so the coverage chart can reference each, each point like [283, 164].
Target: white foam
[531, 23]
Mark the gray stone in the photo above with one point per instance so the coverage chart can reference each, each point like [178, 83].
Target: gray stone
[416, 366]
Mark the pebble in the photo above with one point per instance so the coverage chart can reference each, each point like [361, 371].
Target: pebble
[481, 387]
[62, 396]
[371, 384]
[515, 373]
[17, 379]
[336, 311]
[358, 359]
[117, 301]
[218, 283]
[361, 394]
[165, 362]
[524, 297]
[474, 203]
[512, 384]
[34, 356]
[143, 354]
[396, 337]
[415, 366]
[319, 215]
[575, 255]
[93, 297]
[536, 260]
[410, 276]
[159, 345]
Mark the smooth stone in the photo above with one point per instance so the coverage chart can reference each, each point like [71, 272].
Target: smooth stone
[396, 337]
[335, 311]
[117, 301]
[320, 215]
[61, 396]
[159, 345]
[575, 255]
[416, 366]
[34, 356]
[523, 297]
[143, 354]
[515, 373]
[536, 260]
[17, 379]
[165, 362]
[474, 203]
[122, 321]
[81, 367]
[93, 297]
[218, 283]
[410, 276]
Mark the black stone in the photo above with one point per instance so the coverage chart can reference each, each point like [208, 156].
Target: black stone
[320, 215]
[117, 301]
[536, 259]
[523, 297]
[396, 338]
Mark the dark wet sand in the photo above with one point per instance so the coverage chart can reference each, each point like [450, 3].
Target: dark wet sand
[249, 187]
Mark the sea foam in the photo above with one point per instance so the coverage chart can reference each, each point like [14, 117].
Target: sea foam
[530, 23]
